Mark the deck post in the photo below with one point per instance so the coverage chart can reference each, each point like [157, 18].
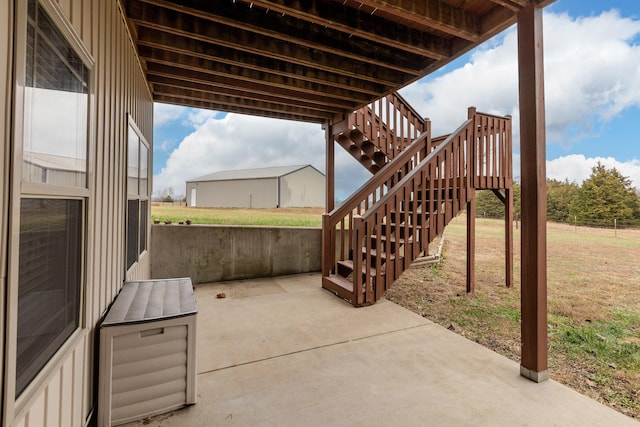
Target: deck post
[534, 357]
[328, 236]
[508, 236]
[330, 166]
[471, 242]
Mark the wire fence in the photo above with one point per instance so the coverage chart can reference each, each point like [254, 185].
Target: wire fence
[582, 224]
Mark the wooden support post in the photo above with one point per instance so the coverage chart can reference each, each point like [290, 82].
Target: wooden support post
[328, 236]
[331, 170]
[534, 363]
[508, 236]
[471, 242]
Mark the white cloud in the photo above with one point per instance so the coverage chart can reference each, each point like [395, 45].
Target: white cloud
[592, 72]
[198, 117]
[241, 142]
[164, 114]
[577, 168]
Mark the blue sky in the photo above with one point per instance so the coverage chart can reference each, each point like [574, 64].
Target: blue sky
[592, 89]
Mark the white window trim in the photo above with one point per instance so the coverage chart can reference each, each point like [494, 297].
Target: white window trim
[140, 197]
[14, 408]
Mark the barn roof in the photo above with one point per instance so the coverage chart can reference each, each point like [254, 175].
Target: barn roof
[258, 173]
[305, 60]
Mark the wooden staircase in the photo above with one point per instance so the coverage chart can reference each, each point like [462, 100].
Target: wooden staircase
[378, 132]
[417, 189]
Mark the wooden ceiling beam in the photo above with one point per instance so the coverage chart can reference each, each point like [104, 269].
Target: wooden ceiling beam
[227, 86]
[175, 87]
[184, 25]
[275, 20]
[238, 109]
[437, 15]
[181, 64]
[247, 104]
[513, 5]
[258, 64]
[289, 30]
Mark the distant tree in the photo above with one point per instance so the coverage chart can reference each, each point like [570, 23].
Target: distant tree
[560, 196]
[167, 195]
[487, 204]
[606, 196]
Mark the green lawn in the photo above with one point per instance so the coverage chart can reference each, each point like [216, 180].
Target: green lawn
[286, 217]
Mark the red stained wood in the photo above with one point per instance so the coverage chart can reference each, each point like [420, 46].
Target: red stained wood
[533, 176]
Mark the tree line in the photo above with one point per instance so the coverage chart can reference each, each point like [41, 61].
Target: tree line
[605, 198]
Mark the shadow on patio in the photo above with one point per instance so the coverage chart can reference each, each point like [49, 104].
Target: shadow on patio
[283, 351]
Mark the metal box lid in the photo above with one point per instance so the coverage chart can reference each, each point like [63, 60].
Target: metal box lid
[148, 300]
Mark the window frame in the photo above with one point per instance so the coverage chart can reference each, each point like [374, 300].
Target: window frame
[19, 189]
[137, 196]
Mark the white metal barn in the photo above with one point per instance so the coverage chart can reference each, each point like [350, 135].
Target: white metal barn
[273, 187]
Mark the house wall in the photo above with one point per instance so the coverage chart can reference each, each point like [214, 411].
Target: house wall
[241, 193]
[6, 41]
[302, 188]
[63, 393]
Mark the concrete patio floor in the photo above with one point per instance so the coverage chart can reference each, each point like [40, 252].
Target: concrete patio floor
[284, 352]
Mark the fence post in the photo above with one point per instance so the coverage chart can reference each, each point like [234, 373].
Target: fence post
[615, 227]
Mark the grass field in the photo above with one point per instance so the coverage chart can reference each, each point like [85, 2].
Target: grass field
[593, 304]
[287, 217]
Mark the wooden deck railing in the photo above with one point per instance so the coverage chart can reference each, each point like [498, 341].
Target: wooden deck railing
[390, 123]
[390, 221]
[336, 242]
[426, 199]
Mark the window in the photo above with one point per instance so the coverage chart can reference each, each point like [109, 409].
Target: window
[49, 289]
[56, 99]
[138, 195]
[53, 198]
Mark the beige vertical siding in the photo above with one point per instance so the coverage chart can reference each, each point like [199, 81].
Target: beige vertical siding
[66, 395]
[302, 189]
[6, 41]
[236, 193]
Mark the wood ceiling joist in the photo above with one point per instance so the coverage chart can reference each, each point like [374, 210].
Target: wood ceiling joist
[171, 87]
[191, 65]
[230, 87]
[239, 109]
[364, 25]
[223, 55]
[435, 14]
[305, 60]
[250, 44]
[305, 57]
[250, 104]
[514, 5]
[290, 30]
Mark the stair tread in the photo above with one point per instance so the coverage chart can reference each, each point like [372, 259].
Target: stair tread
[401, 225]
[343, 282]
[393, 239]
[383, 255]
[349, 264]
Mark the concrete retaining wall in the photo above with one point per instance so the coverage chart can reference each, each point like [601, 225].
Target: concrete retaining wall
[212, 253]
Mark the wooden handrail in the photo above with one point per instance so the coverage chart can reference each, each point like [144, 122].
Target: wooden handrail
[359, 201]
[382, 177]
[441, 147]
[420, 205]
[390, 123]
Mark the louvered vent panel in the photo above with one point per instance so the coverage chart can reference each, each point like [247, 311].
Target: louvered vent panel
[147, 357]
